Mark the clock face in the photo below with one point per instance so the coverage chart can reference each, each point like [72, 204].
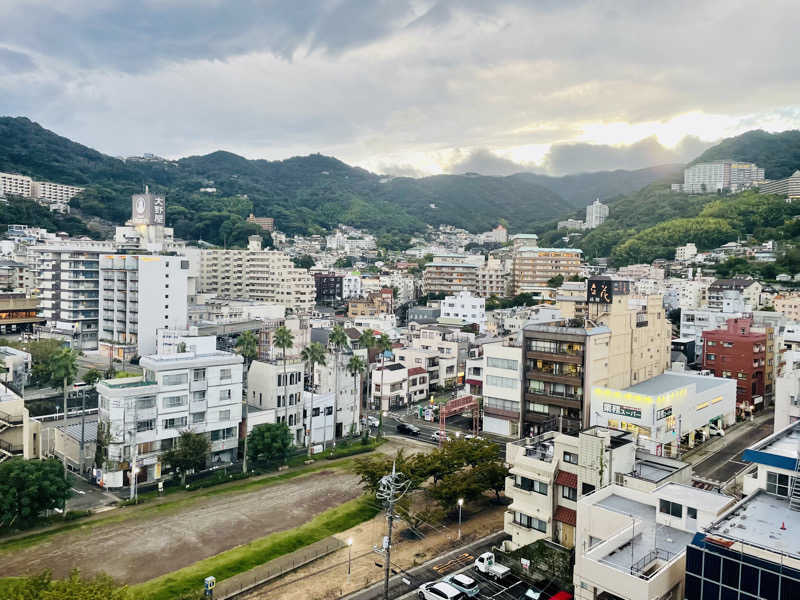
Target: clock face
[140, 206]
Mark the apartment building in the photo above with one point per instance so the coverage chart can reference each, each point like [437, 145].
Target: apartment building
[446, 277]
[493, 279]
[750, 550]
[789, 186]
[533, 267]
[18, 313]
[12, 184]
[138, 295]
[256, 274]
[501, 376]
[740, 352]
[266, 223]
[711, 177]
[632, 543]
[20, 435]
[787, 391]
[463, 309]
[722, 289]
[269, 390]
[199, 390]
[21, 185]
[685, 253]
[596, 214]
[329, 287]
[376, 303]
[349, 399]
[788, 304]
[624, 341]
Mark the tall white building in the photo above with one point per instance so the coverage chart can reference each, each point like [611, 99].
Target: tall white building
[685, 253]
[199, 390]
[787, 391]
[268, 389]
[596, 214]
[501, 374]
[719, 175]
[138, 295]
[45, 191]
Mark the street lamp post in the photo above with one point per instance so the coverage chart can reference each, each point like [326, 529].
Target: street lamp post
[460, 504]
[349, 555]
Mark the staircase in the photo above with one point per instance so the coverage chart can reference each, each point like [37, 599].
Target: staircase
[794, 495]
[7, 421]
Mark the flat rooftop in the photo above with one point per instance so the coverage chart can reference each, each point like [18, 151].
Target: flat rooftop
[758, 520]
[692, 496]
[667, 382]
[648, 535]
[784, 443]
[127, 384]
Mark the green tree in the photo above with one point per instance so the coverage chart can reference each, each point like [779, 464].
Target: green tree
[92, 376]
[63, 370]
[28, 488]
[491, 475]
[189, 453]
[367, 340]
[338, 341]
[345, 262]
[247, 347]
[313, 355]
[356, 366]
[42, 353]
[303, 262]
[384, 345]
[555, 282]
[269, 442]
[284, 339]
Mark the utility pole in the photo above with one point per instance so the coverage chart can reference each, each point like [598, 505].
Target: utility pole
[391, 488]
[135, 452]
[83, 431]
[244, 458]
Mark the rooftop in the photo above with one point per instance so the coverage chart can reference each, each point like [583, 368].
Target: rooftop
[667, 382]
[785, 443]
[124, 383]
[89, 432]
[570, 330]
[649, 536]
[757, 520]
[692, 496]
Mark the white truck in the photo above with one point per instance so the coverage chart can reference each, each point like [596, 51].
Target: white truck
[486, 564]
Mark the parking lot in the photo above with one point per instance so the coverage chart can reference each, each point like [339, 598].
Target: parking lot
[509, 588]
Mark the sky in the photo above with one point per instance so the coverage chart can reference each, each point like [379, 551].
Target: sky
[404, 87]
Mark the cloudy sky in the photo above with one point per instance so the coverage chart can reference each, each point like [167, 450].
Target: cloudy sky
[404, 86]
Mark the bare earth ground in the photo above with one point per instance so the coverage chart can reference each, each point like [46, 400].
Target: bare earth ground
[137, 550]
[327, 578]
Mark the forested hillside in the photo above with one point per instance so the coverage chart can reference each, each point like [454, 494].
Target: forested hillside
[777, 153]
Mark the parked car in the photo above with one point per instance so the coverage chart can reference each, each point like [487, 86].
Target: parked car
[561, 596]
[464, 583]
[373, 421]
[472, 436]
[486, 564]
[438, 590]
[439, 435]
[407, 429]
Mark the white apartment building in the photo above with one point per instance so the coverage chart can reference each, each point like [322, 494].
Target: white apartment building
[596, 214]
[641, 271]
[46, 191]
[267, 389]
[787, 391]
[138, 295]
[463, 309]
[501, 372]
[719, 175]
[349, 399]
[404, 284]
[685, 253]
[632, 544]
[788, 304]
[15, 185]
[493, 278]
[265, 275]
[351, 286]
[199, 390]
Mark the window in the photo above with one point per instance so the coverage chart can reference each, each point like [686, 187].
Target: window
[174, 401]
[224, 374]
[587, 488]
[315, 412]
[146, 425]
[198, 417]
[670, 508]
[225, 394]
[531, 485]
[710, 356]
[200, 396]
[146, 402]
[569, 493]
[199, 375]
[529, 522]
[176, 379]
[538, 408]
[174, 423]
[691, 513]
[224, 415]
[504, 382]
[571, 458]
[502, 363]
[499, 403]
[777, 484]
[328, 410]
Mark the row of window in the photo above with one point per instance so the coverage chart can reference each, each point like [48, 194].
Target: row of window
[531, 485]
[183, 378]
[499, 403]
[530, 522]
[503, 382]
[676, 510]
[502, 363]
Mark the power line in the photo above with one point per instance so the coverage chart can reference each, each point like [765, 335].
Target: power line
[391, 488]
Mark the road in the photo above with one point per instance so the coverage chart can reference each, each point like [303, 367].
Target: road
[86, 496]
[726, 459]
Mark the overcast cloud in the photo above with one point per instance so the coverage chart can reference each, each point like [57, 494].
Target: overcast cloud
[404, 87]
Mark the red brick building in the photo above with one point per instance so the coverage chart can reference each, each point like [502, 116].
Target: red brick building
[738, 352]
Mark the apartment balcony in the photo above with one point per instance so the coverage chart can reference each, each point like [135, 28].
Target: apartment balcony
[200, 385]
[575, 357]
[510, 415]
[555, 378]
[220, 445]
[574, 402]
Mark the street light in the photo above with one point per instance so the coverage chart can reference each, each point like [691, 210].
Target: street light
[460, 504]
[349, 554]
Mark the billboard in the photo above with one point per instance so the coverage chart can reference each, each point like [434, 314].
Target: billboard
[148, 209]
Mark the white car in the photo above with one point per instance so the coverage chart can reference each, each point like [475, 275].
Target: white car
[437, 435]
[472, 436]
[373, 421]
[465, 583]
[438, 590]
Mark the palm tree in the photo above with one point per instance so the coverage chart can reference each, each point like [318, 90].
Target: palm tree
[63, 371]
[356, 366]
[284, 339]
[384, 344]
[337, 339]
[247, 347]
[313, 355]
[367, 340]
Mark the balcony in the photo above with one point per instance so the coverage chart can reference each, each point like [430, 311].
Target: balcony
[576, 379]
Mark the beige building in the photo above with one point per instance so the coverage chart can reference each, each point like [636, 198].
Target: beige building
[15, 185]
[20, 435]
[375, 303]
[788, 304]
[533, 267]
[493, 279]
[266, 223]
[46, 191]
[442, 277]
[256, 274]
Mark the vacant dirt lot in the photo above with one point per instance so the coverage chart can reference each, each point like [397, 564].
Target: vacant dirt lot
[139, 549]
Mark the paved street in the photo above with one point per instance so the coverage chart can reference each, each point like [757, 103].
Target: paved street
[722, 459]
[86, 496]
